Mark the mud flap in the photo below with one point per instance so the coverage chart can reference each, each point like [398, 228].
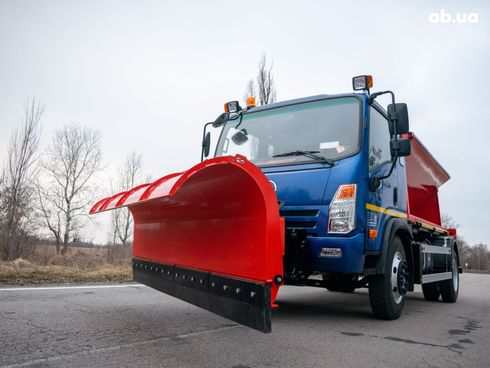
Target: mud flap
[217, 223]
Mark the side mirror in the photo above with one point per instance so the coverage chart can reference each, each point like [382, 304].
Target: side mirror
[240, 137]
[221, 120]
[400, 147]
[398, 112]
[206, 144]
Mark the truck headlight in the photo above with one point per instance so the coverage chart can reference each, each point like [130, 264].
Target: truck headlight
[342, 211]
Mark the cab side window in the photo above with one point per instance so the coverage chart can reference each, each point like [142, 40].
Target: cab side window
[379, 139]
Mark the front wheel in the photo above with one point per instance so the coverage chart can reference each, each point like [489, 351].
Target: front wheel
[387, 292]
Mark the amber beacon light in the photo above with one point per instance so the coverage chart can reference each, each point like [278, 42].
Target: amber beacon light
[251, 102]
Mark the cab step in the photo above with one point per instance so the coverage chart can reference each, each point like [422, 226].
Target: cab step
[433, 277]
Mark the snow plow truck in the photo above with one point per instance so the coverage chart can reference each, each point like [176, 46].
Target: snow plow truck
[331, 191]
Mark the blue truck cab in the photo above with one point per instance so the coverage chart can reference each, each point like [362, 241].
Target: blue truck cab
[338, 166]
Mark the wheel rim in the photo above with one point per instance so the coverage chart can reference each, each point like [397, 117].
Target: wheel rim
[398, 271]
[455, 275]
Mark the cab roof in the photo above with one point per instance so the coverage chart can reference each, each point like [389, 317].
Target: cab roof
[301, 100]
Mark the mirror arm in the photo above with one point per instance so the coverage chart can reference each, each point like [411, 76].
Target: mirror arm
[376, 181]
[395, 144]
[376, 94]
[240, 115]
[392, 117]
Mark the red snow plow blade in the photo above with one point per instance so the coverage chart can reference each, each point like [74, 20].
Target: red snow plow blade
[211, 236]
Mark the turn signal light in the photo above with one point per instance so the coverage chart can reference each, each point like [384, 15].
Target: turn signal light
[346, 191]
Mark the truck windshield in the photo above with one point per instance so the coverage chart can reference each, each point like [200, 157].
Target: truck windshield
[327, 128]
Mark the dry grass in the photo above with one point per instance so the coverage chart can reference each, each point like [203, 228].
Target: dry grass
[78, 265]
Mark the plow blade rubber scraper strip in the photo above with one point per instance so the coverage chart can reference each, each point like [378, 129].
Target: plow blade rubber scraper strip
[211, 236]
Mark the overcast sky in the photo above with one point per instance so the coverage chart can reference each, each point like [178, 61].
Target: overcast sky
[148, 74]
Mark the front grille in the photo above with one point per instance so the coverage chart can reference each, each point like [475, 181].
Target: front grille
[300, 224]
[299, 218]
[298, 213]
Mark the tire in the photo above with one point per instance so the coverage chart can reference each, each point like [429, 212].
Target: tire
[386, 296]
[431, 291]
[450, 288]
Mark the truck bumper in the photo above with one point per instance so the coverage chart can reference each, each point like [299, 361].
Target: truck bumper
[351, 260]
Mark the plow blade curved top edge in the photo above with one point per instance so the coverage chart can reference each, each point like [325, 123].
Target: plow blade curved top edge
[211, 236]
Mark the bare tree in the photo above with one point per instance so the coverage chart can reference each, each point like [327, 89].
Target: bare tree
[16, 222]
[130, 174]
[265, 82]
[65, 190]
[448, 222]
[264, 85]
[481, 253]
[250, 91]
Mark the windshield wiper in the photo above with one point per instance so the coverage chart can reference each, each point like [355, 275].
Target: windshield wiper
[310, 154]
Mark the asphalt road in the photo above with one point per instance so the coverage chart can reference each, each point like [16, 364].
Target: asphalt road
[133, 326]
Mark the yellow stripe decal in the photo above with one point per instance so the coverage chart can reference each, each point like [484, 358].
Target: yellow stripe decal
[393, 213]
[430, 227]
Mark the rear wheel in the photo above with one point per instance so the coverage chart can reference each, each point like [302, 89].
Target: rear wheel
[387, 292]
[431, 291]
[450, 288]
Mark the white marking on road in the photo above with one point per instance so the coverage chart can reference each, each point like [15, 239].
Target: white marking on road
[40, 288]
